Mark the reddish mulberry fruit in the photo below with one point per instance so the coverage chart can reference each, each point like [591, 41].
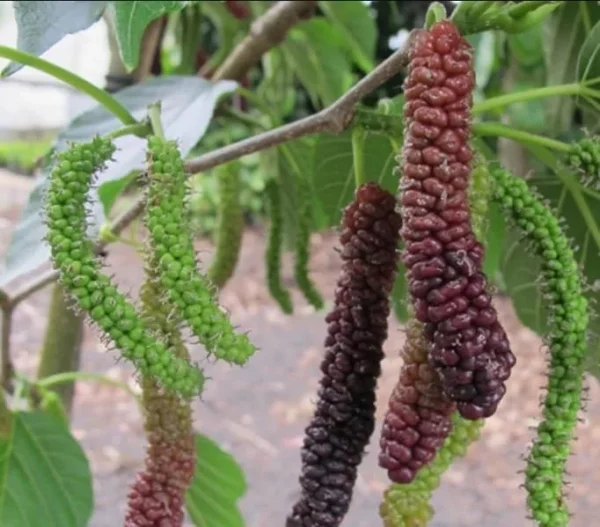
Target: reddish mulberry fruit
[156, 498]
[344, 416]
[469, 348]
[418, 418]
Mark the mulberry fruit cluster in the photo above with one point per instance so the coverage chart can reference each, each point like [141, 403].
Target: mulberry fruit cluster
[568, 322]
[469, 348]
[303, 229]
[156, 498]
[230, 226]
[171, 243]
[80, 271]
[357, 327]
[274, 248]
[409, 505]
[418, 419]
[584, 157]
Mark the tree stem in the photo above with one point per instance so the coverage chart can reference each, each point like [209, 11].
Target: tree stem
[77, 82]
[139, 130]
[61, 350]
[155, 122]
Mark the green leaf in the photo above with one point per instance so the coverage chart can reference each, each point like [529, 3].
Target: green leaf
[485, 61]
[218, 484]
[355, 22]
[277, 86]
[51, 404]
[315, 51]
[187, 108]
[43, 23]
[527, 47]
[45, 478]
[109, 192]
[580, 209]
[564, 34]
[333, 172]
[131, 17]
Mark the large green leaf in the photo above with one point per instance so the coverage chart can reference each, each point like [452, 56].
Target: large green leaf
[43, 23]
[218, 484]
[564, 33]
[580, 209]
[333, 172]
[356, 23]
[187, 108]
[131, 17]
[45, 478]
[315, 51]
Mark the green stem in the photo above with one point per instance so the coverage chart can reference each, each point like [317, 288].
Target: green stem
[358, 140]
[72, 376]
[102, 96]
[139, 129]
[155, 123]
[502, 130]
[529, 95]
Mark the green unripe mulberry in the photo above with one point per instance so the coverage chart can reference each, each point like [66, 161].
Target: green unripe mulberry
[230, 227]
[568, 317]
[186, 289]
[274, 248]
[303, 246]
[73, 255]
[584, 158]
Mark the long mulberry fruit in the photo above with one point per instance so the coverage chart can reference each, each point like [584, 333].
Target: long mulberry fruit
[303, 246]
[274, 247]
[187, 289]
[73, 256]
[156, 498]
[469, 348]
[409, 505]
[230, 228]
[357, 327]
[418, 419]
[569, 317]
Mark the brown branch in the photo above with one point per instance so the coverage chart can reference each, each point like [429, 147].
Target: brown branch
[6, 365]
[265, 33]
[335, 119]
[151, 41]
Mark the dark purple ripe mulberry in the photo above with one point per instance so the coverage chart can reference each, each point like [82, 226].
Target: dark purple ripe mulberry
[418, 417]
[344, 417]
[468, 345]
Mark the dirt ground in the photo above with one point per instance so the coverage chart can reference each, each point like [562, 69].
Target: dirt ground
[259, 412]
